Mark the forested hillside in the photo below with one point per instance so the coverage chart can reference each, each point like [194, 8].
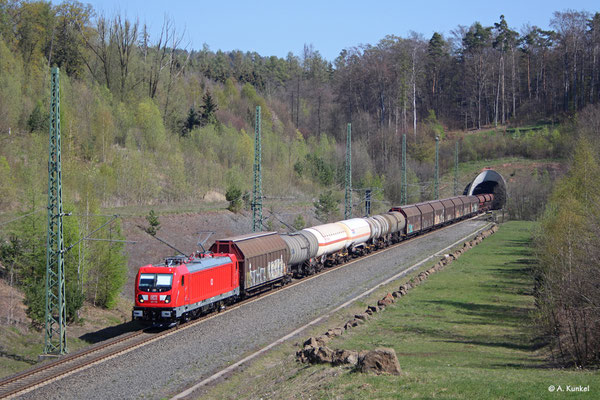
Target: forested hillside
[146, 121]
[179, 121]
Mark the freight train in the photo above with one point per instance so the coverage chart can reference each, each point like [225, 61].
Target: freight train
[240, 266]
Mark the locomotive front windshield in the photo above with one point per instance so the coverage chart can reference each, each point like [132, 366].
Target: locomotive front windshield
[155, 282]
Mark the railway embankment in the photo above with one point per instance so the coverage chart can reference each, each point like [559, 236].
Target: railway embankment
[316, 351]
[464, 332]
[167, 367]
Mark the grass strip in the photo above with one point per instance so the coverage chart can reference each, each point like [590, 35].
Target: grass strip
[465, 333]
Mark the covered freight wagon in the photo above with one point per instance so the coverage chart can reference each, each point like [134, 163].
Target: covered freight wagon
[473, 202]
[412, 216]
[438, 212]
[459, 207]
[449, 210]
[427, 215]
[481, 199]
[263, 258]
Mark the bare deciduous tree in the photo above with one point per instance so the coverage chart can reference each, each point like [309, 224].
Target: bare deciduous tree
[97, 39]
[124, 34]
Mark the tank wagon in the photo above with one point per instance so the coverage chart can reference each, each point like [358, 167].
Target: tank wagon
[303, 246]
[240, 266]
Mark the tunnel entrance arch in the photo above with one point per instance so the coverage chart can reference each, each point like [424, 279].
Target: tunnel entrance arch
[489, 181]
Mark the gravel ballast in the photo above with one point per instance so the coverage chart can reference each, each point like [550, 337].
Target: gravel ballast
[168, 366]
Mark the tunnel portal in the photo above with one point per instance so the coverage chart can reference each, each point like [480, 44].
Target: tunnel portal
[489, 181]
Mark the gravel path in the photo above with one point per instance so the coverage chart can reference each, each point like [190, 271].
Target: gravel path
[168, 366]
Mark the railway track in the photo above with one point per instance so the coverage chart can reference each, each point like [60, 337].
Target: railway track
[45, 373]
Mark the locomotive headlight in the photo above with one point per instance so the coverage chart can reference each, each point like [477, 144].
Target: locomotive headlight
[168, 298]
[140, 298]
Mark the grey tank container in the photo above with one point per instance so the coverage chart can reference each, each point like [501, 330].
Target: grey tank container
[400, 221]
[303, 246]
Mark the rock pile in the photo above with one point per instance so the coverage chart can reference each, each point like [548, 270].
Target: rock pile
[378, 361]
[381, 360]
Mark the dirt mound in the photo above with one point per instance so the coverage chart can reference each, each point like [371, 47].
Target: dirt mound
[183, 231]
[214, 197]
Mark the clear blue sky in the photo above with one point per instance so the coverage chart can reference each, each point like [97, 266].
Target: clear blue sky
[272, 27]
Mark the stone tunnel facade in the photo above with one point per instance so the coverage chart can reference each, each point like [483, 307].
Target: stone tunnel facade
[489, 181]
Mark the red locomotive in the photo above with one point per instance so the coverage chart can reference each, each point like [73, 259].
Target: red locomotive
[240, 266]
[186, 287]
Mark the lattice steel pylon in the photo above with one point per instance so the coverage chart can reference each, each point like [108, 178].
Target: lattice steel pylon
[404, 184]
[55, 341]
[436, 184]
[348, 196]
[257, 190]
[456, 169]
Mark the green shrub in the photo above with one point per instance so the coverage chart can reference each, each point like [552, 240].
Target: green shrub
[150, 122]
[326, 208]
[299, 222]
[234, 197]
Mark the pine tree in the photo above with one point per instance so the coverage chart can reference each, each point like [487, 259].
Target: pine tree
[154, 223]
[209, 108]
[191, 122]
[38, 119]
[436, 52]
[326, 207]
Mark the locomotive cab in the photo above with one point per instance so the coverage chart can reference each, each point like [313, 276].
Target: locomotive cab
[185, 287]
[154, 293]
